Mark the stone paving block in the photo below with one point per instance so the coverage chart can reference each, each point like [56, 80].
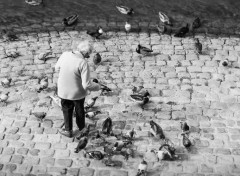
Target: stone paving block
[17, 159]
[39, 170]
[10, 167]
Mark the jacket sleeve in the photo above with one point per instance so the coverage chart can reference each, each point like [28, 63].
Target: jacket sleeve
[86, 83]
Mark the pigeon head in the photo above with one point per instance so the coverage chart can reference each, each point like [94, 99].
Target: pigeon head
[94, 98]
[225, 63]
[146, 94]
[100, 30]
[95, 80]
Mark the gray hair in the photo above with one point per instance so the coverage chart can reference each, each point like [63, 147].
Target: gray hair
[82, 46]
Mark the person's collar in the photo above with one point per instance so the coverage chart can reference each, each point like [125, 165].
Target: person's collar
[78, 53]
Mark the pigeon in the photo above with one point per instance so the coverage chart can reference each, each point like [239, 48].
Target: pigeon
[128, 152]
[160, 154]
[184, 127]
[92, 114]
[91, 102]
[9, 36]
[56, 99]
[39, 115]
[94, 155]
[43, 84]
[12, 54]
[97, 59]
[182, 31]
[34, 2]
[142, 168]
[107, 126]
[112, 163]
[69, 21]
[161, 29]
[186, 142]
[196, 23]
[198, 46]
[142, 98]
[143, 50]
[156, 130]
[6, 82]
[125, 10]
[97, 33]
[164, 19]
[119, 145]
[81, 144]
[44, 56]
[225, 63]
[169, 151]
[128, 27]
[132, 133]
[4, 97]
[136, 89]
[84, 132]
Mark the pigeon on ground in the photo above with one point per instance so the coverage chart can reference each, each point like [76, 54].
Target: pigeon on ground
[94, 154]
[12, 54]
[9, 36]
[97, 33]
[69, 21]
[92, 114]
[125, 10]
[143, 50]
[186, 142]
[198, 46]
[91, 102]
[132, 133]
[97, 59]
[141, 98]
[156, 130]
[142, 168]
[136, 90]
[44, 56]
[128, 27]
[43, 84]
[39, 115]
[160, 154]
[128, 152]
[164, 19]
[81, 144]
[182, 31]
[84, 132]
[185, 128]
[4, 97]
[107, 126]
[6, 82]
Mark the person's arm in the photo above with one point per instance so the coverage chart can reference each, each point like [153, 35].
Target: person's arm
[86, 83]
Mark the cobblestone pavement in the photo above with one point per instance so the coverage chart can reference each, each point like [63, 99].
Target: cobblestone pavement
[184, 86]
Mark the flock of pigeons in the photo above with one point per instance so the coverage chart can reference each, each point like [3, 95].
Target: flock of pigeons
[124, 142]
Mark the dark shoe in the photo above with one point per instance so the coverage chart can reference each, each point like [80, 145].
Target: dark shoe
[66, 133]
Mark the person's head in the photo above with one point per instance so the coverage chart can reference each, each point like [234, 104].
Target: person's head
[83, 47]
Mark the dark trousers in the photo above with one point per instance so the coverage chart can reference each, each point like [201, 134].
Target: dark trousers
[68, 107]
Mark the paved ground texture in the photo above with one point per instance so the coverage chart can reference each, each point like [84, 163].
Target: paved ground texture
[184, 86]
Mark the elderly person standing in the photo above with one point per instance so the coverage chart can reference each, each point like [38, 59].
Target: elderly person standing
[73, 85]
